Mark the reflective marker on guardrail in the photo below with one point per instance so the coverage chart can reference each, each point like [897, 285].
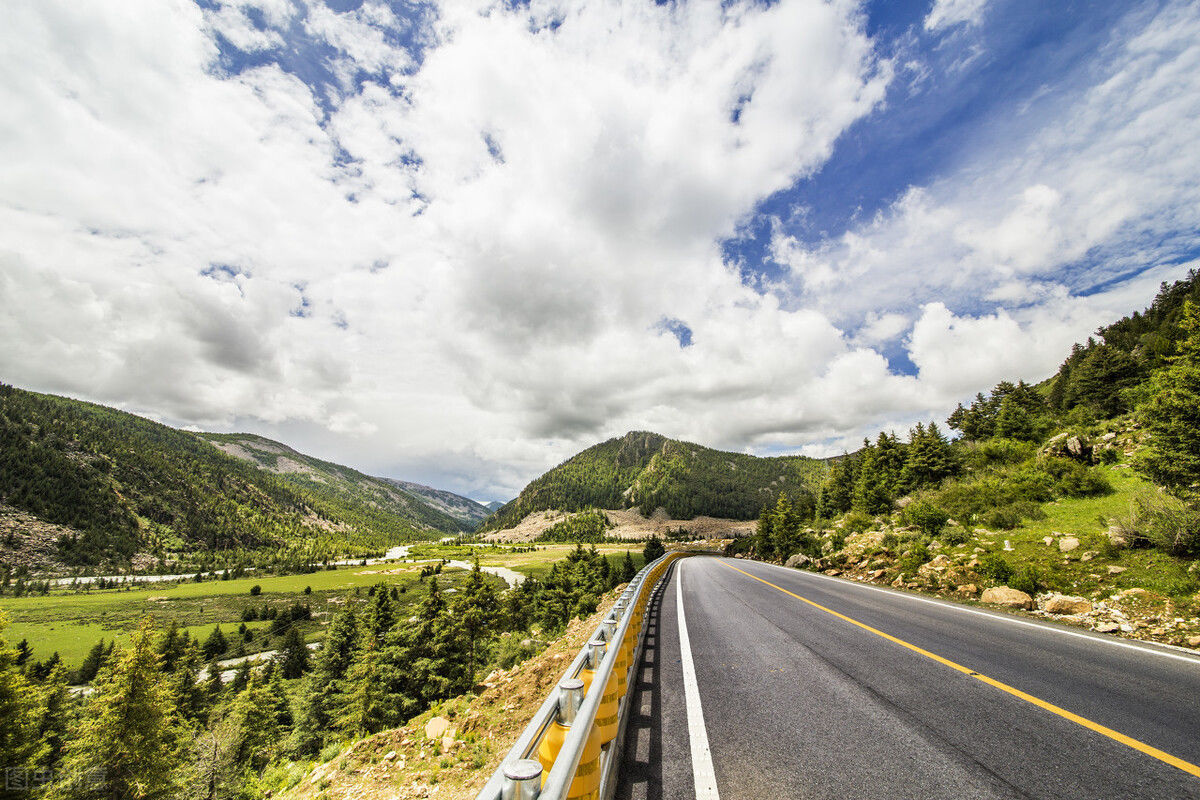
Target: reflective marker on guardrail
[587, 774]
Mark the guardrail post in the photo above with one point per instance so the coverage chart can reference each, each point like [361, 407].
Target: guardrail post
[522, 780]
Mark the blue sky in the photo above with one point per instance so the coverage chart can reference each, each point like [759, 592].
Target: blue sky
[458, 242]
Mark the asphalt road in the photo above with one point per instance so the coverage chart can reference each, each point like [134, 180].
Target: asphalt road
[799, 702]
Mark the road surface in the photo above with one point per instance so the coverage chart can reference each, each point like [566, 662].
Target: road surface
[814, 687]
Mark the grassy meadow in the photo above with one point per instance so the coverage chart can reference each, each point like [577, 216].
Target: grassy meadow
[70, 622]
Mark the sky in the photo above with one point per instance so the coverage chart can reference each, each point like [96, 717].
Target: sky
[458, 242]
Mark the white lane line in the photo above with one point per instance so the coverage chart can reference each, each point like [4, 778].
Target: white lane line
[702, 766]
[1194, 660]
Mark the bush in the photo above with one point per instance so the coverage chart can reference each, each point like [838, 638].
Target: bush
[1004, 518]
[255, 590]
[956, 535]
[994, 566]
[1025, 580]
[926, 516]
[1076, 480]
[890, 540]
[1162, 521]
[740, 546]
[1001, 452]
[917, 555]
[857, 522]
[837, 540]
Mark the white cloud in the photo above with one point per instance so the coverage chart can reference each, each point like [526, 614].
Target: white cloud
[948, 13]
[460, 275]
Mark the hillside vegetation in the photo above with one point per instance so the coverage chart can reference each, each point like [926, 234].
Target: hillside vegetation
[1085, 485]
[376, 502]
[649, 471]
[125, 485]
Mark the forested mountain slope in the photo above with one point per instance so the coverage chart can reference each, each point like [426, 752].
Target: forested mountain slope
[125, 484]
[343, 486]
[650, 471]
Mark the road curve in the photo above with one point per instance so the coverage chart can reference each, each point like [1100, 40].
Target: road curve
[815, 687]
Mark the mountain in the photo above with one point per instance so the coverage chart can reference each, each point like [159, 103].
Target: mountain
[650, 471]
[421, 505]
[493, 506]
[121, 485]
[464, 509]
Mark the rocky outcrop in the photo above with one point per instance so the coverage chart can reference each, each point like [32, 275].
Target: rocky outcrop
[1005, 596]
[1065, 604]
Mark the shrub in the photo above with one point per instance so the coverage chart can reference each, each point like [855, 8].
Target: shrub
[956, 535]
[255, 590]
[857, 522]
[926, 516]
[1162, 521]
[917, 555]
[890, 540]
[1076, 480]
[837, 540]
[1000, 452]
[1025, 580]
[1005, 518]
[994, 566]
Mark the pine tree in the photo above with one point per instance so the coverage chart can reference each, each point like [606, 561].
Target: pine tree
[216, 644]
[764, 535]
[1172, 416]
[364, 708]
[653, 550]
[785, 528]
[51, 716]
[129, 741]
[477, 611]
[628, 570]
[92, 663]
[17, 710]
[293, 655]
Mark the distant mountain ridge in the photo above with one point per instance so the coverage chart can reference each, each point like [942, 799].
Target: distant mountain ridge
[113, 485]
[649, 471]
[423, 506]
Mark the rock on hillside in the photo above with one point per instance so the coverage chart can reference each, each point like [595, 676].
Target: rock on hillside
[629, 524]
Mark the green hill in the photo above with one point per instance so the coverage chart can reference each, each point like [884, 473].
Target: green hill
[352, 491]
[125, 485]
[650, 471]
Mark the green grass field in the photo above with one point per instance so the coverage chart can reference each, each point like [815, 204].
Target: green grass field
[71, 622]
[1088, 519]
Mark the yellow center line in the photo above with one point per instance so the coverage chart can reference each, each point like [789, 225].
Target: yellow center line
[1154, 752]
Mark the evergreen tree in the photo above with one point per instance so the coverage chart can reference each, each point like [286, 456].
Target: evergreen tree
[51, 717]
[241, 679]
[129, 741]
[653, 550]
[24, 651]
[764, 535]
[216, 644]
[477, 611]
[92, 663]
[628, 570]
[18, 734]
[930, 458]
[1172, 416]
[365, 706]
[785, 528]
[258, 734]
[293, 655]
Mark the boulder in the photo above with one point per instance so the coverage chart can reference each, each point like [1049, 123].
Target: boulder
[1067, 544]
[436, 728]
[798, 561]
[1077, 447]
[1115, 570]
[1107, 627]
[1116, 535]
[1006, 596]
[968, 589]
[1065, 604]
[1193, 641]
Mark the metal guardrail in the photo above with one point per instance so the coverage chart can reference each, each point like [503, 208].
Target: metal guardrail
[564, 730]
